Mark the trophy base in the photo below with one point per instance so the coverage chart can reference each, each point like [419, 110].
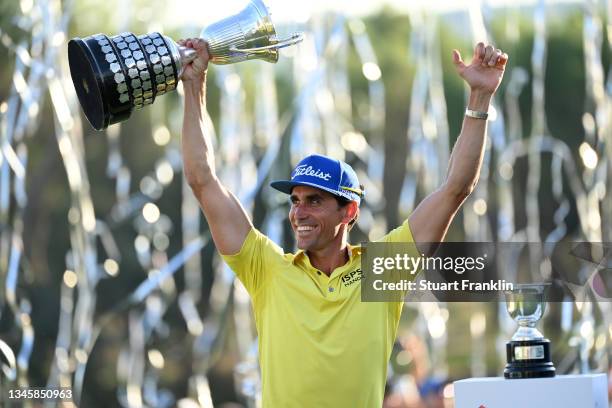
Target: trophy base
[528, 359]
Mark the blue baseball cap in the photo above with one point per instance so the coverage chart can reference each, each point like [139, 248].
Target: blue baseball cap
[331, 175]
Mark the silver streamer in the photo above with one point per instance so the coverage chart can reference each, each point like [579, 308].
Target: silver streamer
[255, 145]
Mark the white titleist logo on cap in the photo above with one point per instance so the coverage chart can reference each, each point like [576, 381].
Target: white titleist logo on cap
[302, 170]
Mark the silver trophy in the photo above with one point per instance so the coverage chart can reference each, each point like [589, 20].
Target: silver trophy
[114, 75]
[528, 352]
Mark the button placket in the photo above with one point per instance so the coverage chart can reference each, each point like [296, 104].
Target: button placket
[322, 281]
[330, 284]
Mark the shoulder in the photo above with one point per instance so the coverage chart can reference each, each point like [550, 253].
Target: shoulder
[257, 243]
[403, 233]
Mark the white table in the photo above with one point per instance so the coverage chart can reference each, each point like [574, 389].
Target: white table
[562, 391]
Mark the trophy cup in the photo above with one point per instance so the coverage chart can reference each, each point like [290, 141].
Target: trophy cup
[528, 352]
[113, 76]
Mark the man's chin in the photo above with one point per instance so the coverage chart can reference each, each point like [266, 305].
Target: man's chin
[302, 244]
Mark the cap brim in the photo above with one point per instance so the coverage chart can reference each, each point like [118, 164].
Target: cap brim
[285, 186]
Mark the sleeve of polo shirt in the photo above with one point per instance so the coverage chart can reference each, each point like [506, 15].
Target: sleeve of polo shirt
[252, 263]
[400, 234]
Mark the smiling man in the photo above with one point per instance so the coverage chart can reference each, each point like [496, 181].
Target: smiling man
[319, 344]
[325, 196]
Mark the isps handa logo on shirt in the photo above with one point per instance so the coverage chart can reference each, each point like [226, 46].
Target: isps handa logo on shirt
[352, 277]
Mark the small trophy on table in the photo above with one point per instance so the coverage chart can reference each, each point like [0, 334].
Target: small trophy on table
[528, 352]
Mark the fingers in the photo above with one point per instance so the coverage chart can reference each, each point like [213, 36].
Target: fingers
[502, 61]
[489, 56]
[199, 64]
[195, 43]
[459, 64]
[479, 53]
[497, 59]
[489, 51]
[200, 46]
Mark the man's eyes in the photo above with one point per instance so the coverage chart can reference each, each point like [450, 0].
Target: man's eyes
[311, 201]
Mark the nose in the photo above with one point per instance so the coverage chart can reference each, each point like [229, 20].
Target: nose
[299, 211]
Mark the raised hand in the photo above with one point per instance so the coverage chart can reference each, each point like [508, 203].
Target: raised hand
[196, 70]
[485, 71]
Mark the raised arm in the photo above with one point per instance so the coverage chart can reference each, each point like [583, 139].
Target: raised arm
[227, 219]
[430, 220]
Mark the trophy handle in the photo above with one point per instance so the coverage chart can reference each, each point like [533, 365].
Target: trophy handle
[294, 39]
[186, 55]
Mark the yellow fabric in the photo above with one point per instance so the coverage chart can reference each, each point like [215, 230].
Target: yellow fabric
[318, 347]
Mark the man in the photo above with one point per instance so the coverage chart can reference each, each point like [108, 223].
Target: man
[319, 345]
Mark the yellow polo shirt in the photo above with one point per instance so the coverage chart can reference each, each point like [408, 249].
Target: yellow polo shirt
[319, 345]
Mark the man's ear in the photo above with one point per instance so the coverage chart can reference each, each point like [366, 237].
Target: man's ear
[351, 210]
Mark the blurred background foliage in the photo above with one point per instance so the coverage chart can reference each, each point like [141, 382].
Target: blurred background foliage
[46, 229]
